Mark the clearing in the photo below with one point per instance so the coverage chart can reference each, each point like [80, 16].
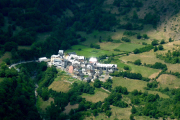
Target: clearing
[43, 104]
[99, 95]
[69, 107]
[60, 86]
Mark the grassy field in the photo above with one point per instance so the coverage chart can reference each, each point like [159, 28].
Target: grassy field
[146, 57]
[129, 47]
[89, 52]
[99, 95]
[6, 55]
[60, 86]
[109, 45]
[131, 85]
[43, 104]
[170, 81]
[119, 113]
[145, 71]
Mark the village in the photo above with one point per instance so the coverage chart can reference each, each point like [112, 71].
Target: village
[79, 67]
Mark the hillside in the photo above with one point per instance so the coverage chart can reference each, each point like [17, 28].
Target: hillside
[140, 36]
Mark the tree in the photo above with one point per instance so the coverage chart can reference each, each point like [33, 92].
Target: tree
[97, 83]
[135, 16]
[108, 113]
[133, 110]
[154, 42]
[170, 40]
[10, 45]
[131, 117]
[95, 112]
[139, 36]
[145, 36]
[137, 62]
[126, 67]
[160, 47]
[155, 49]
[162, 41]
[45, 94]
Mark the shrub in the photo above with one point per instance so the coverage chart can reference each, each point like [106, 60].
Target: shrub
[126, 67]
[125, 39]
[160, 47]
[139, 36]
[154, 42]
[137, 62]
[145, 36]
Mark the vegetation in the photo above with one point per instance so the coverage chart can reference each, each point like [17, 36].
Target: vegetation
[96, 28]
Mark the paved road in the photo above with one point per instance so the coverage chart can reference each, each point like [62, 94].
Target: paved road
[13, 65]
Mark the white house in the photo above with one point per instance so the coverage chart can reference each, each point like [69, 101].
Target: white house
[42, 59]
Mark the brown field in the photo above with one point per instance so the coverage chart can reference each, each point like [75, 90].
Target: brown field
[170, 81]
[60, 86]
[98, 96]
[69, 107]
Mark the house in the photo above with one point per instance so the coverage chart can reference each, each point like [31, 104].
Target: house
[61, 53]
[42, 59]
[93, 60]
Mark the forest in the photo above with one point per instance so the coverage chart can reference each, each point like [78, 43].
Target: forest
[125, 37]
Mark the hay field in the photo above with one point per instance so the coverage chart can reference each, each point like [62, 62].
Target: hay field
[69, 107]
[170, 81]
[60, 86]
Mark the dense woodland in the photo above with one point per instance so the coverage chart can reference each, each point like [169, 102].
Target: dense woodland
[17, 89]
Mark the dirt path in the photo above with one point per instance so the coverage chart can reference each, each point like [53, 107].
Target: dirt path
[106, 90]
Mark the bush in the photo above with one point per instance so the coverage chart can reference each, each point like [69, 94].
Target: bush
[162, 41]
[125, 39]
[95, 46]
[170, 40]
[139, 36]
[97, 83]
[83, 39]
[160, 47]
[116, 49]
[144, 49]
[155, 49]
[154, 42]
[137, 62]
[126, 67]
[145, 36]
[129, 33]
